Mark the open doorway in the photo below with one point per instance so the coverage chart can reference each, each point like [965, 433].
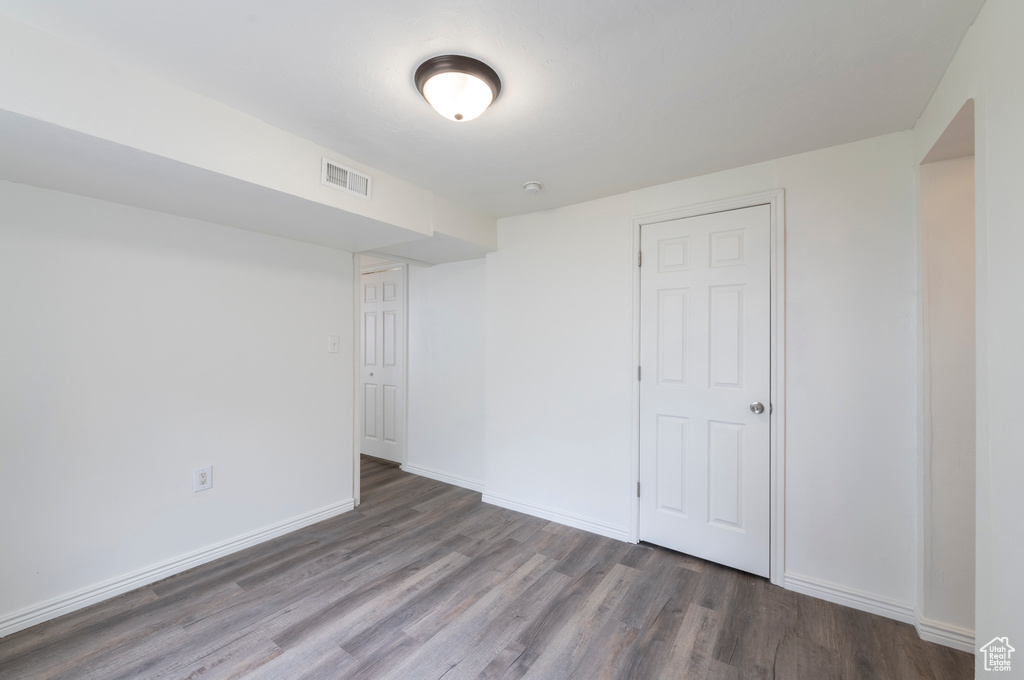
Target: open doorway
[382, 291]
[947, 216]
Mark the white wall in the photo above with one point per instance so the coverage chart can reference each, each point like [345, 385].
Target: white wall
[446, 372]
[137, 346]
[989, 67]
[947, 255]
[559, 367]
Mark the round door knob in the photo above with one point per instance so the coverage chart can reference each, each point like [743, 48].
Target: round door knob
[757, 407]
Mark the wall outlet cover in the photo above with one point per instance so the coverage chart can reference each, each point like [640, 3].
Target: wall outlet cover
[202, 478]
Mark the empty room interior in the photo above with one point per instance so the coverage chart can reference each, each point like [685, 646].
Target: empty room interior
[511, 340]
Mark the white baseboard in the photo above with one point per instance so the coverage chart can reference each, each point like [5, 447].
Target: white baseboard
[850, 597]
[566, 518]
[945, 634]
[930, 630]
[465, 483]
[30, 616]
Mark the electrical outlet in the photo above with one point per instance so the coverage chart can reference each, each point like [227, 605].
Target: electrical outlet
[333, 344]
[202, 478]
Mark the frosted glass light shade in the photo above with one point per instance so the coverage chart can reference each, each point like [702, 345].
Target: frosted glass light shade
[459, 88]
[458, 96]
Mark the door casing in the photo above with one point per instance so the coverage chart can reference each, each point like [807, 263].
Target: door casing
[776, 200]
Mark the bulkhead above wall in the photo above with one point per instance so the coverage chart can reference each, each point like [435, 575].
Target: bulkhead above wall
[86, 124]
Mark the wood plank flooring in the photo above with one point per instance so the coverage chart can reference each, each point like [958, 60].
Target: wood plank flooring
[425, 581]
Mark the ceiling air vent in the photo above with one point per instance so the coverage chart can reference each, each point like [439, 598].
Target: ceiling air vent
[346, 179]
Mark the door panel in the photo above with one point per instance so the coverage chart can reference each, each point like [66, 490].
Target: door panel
[672, 359]
[370, 411]
[726, 303]
[671, 472]
[383, 371]
[390, 341]
[705, 343]
[725, 481]
[369, 338]
[390, 414]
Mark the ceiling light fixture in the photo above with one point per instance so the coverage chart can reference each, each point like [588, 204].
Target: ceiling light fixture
[459, 88]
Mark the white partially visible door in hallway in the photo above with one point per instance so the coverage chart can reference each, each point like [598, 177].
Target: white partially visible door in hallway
[382, 365]
[705, 342]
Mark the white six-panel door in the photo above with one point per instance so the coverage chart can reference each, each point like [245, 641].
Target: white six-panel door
[705, 355]
[382, 366]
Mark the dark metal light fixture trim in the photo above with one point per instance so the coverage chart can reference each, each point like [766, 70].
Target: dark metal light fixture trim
[455, 63]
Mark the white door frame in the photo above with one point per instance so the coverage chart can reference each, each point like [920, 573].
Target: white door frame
[357, 410]
[776, 199]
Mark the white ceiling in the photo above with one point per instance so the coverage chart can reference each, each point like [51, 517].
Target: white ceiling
[598, 96]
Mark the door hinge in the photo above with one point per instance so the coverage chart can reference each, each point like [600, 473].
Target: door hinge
[639, 258]
[638, 373]
[638, 489]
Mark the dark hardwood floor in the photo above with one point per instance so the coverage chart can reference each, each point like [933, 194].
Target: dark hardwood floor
[425, 581]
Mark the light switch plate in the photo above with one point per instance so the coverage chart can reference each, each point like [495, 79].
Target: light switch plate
[333, 344]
